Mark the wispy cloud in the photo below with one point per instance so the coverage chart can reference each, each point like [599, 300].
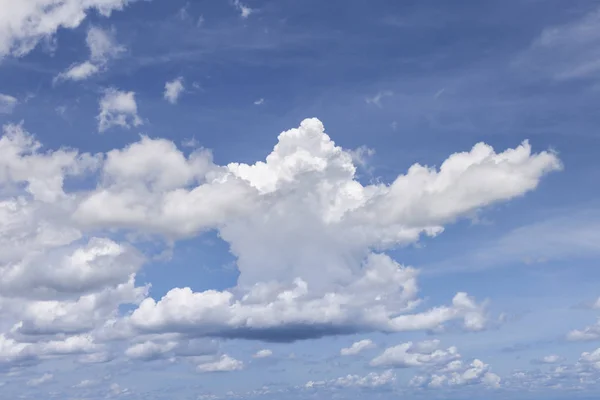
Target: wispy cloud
[565, 52]
[376, 100]
[570, 236]
[7, 103]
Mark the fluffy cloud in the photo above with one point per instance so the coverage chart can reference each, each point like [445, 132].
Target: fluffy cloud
[24, 23]
[357, 347]
[305, 202]
[173, 90]
[588, 333]
[309, 238]
[223, 364]
[264, 353]
[117, 108]
[415, 355]
[457, 373]
[7, 103]
[102, 46]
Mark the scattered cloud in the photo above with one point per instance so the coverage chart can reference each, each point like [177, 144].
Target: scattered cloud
[223, 364]
[173, 90]
[264, 353]
[102, 46]
[457, 373]
[243, 9]
[357, 347]
[371, 380]
[415, 355]
[7, 103]
[550, 359]
[117, 108]
[259, 102]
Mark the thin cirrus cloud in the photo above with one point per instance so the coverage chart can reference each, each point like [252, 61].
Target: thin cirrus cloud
[565, 52]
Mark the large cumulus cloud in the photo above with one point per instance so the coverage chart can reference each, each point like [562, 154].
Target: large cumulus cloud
[310, 241]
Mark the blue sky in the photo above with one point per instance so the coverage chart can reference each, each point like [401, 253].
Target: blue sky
[292, 199]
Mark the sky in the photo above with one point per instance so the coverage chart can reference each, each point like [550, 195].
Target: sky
[292, 199]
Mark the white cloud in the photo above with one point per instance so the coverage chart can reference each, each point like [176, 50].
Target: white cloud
[551, 359]
[357, 347]
[23, 24]
[264, 353]
[79, 72]
[118, 108]
[589, 333]
[7, 103]
[321, 207]
[309, 239]
[259, 102]
[459, 374]
[415, 355]
[41, 380]
[173, 90]
[103, 47]
[224, 364]
[244, 10]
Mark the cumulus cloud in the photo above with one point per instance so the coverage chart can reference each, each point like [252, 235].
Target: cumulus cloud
[357, 347]
[588, 333]
[415, 355]
[224, 364]
[459, 374]
[118, 108]
[325, 277]
[103, 47]
[7, 103]
[23, 24]
[173, 90]
[310, 242]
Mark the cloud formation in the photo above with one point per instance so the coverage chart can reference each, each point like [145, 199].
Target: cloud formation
[25, 23]
[102, 46]
[7, 103]
[117, 108]
[309, 238]
[173, 90]
[357, 347]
